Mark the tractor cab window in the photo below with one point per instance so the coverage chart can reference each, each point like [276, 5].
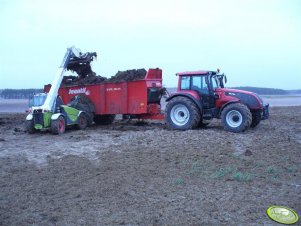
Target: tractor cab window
[185, 82]
[215, 83]
[199, 84]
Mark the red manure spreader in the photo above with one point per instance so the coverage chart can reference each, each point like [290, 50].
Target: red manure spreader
[138, 99]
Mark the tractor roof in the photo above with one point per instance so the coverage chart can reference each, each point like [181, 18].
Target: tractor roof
[195, 73]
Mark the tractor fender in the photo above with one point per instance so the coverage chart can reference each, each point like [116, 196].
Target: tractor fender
[226, 104]
[56, 116]
[198, 103]
[29, 117]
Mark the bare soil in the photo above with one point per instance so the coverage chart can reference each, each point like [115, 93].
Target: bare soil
[141, 173]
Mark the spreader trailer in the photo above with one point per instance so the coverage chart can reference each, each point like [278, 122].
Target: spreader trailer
[136, 99]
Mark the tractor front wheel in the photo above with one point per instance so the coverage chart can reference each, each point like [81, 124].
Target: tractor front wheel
[58, 126]
[182, 114]
[236, 117]
[256, 118]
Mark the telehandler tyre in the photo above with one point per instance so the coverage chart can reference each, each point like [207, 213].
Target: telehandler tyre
[29, 126]
[58, 126]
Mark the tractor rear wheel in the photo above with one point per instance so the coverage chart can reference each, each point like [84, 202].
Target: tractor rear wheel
[58, 126]
[182, 113]
[104, 119]
[256, 118]
[236, 118]
[30, 126]
[82, 121]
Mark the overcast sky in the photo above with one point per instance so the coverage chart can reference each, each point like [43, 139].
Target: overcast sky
[254, 42]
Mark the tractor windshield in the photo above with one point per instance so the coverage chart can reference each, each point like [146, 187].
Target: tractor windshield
[218, 81]
[215, 83]
[37, 100]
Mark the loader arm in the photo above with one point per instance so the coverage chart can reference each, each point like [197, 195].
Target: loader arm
[72, 57]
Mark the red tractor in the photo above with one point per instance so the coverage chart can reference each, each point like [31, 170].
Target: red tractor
[201, 96]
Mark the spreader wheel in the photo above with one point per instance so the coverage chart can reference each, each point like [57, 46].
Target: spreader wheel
[82, 121]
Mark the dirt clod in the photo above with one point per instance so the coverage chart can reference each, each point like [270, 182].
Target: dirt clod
[248, 152]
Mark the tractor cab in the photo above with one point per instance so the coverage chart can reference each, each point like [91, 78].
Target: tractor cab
[201, 85]
[37, 100]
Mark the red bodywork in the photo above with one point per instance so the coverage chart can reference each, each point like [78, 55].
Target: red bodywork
[220, 92]
[223, 99]
[130, 98]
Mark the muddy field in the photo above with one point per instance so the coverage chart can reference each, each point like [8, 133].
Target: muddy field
[141, 173]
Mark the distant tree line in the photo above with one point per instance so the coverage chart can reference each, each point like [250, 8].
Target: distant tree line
[19, 93]
[27, 93]
[263, 91]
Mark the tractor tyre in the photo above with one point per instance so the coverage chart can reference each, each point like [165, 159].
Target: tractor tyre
[182, 114]
[256, 118]
[236, 118]
[104, 119]
[204, 123]
[29, 126]
[82, 121]
[58, 126]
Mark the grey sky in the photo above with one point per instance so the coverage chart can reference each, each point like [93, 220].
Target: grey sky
[255, 42]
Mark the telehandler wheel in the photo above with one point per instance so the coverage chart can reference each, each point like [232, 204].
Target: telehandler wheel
[30, 127]
[58, 126]
[256, 118]
[182, 114]
[82, 121]
[236, 118]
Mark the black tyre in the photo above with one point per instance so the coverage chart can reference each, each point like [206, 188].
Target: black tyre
[30, 126]
[82, 103]
[256, 118]
[104, 119]
[58, 126]
[204, 123]
[236, 118]
[182, 114]
[82, 121]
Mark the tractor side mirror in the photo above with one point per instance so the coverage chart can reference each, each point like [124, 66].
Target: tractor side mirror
[225, 79]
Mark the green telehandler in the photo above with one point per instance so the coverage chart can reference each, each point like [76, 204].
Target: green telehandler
[48, 112]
